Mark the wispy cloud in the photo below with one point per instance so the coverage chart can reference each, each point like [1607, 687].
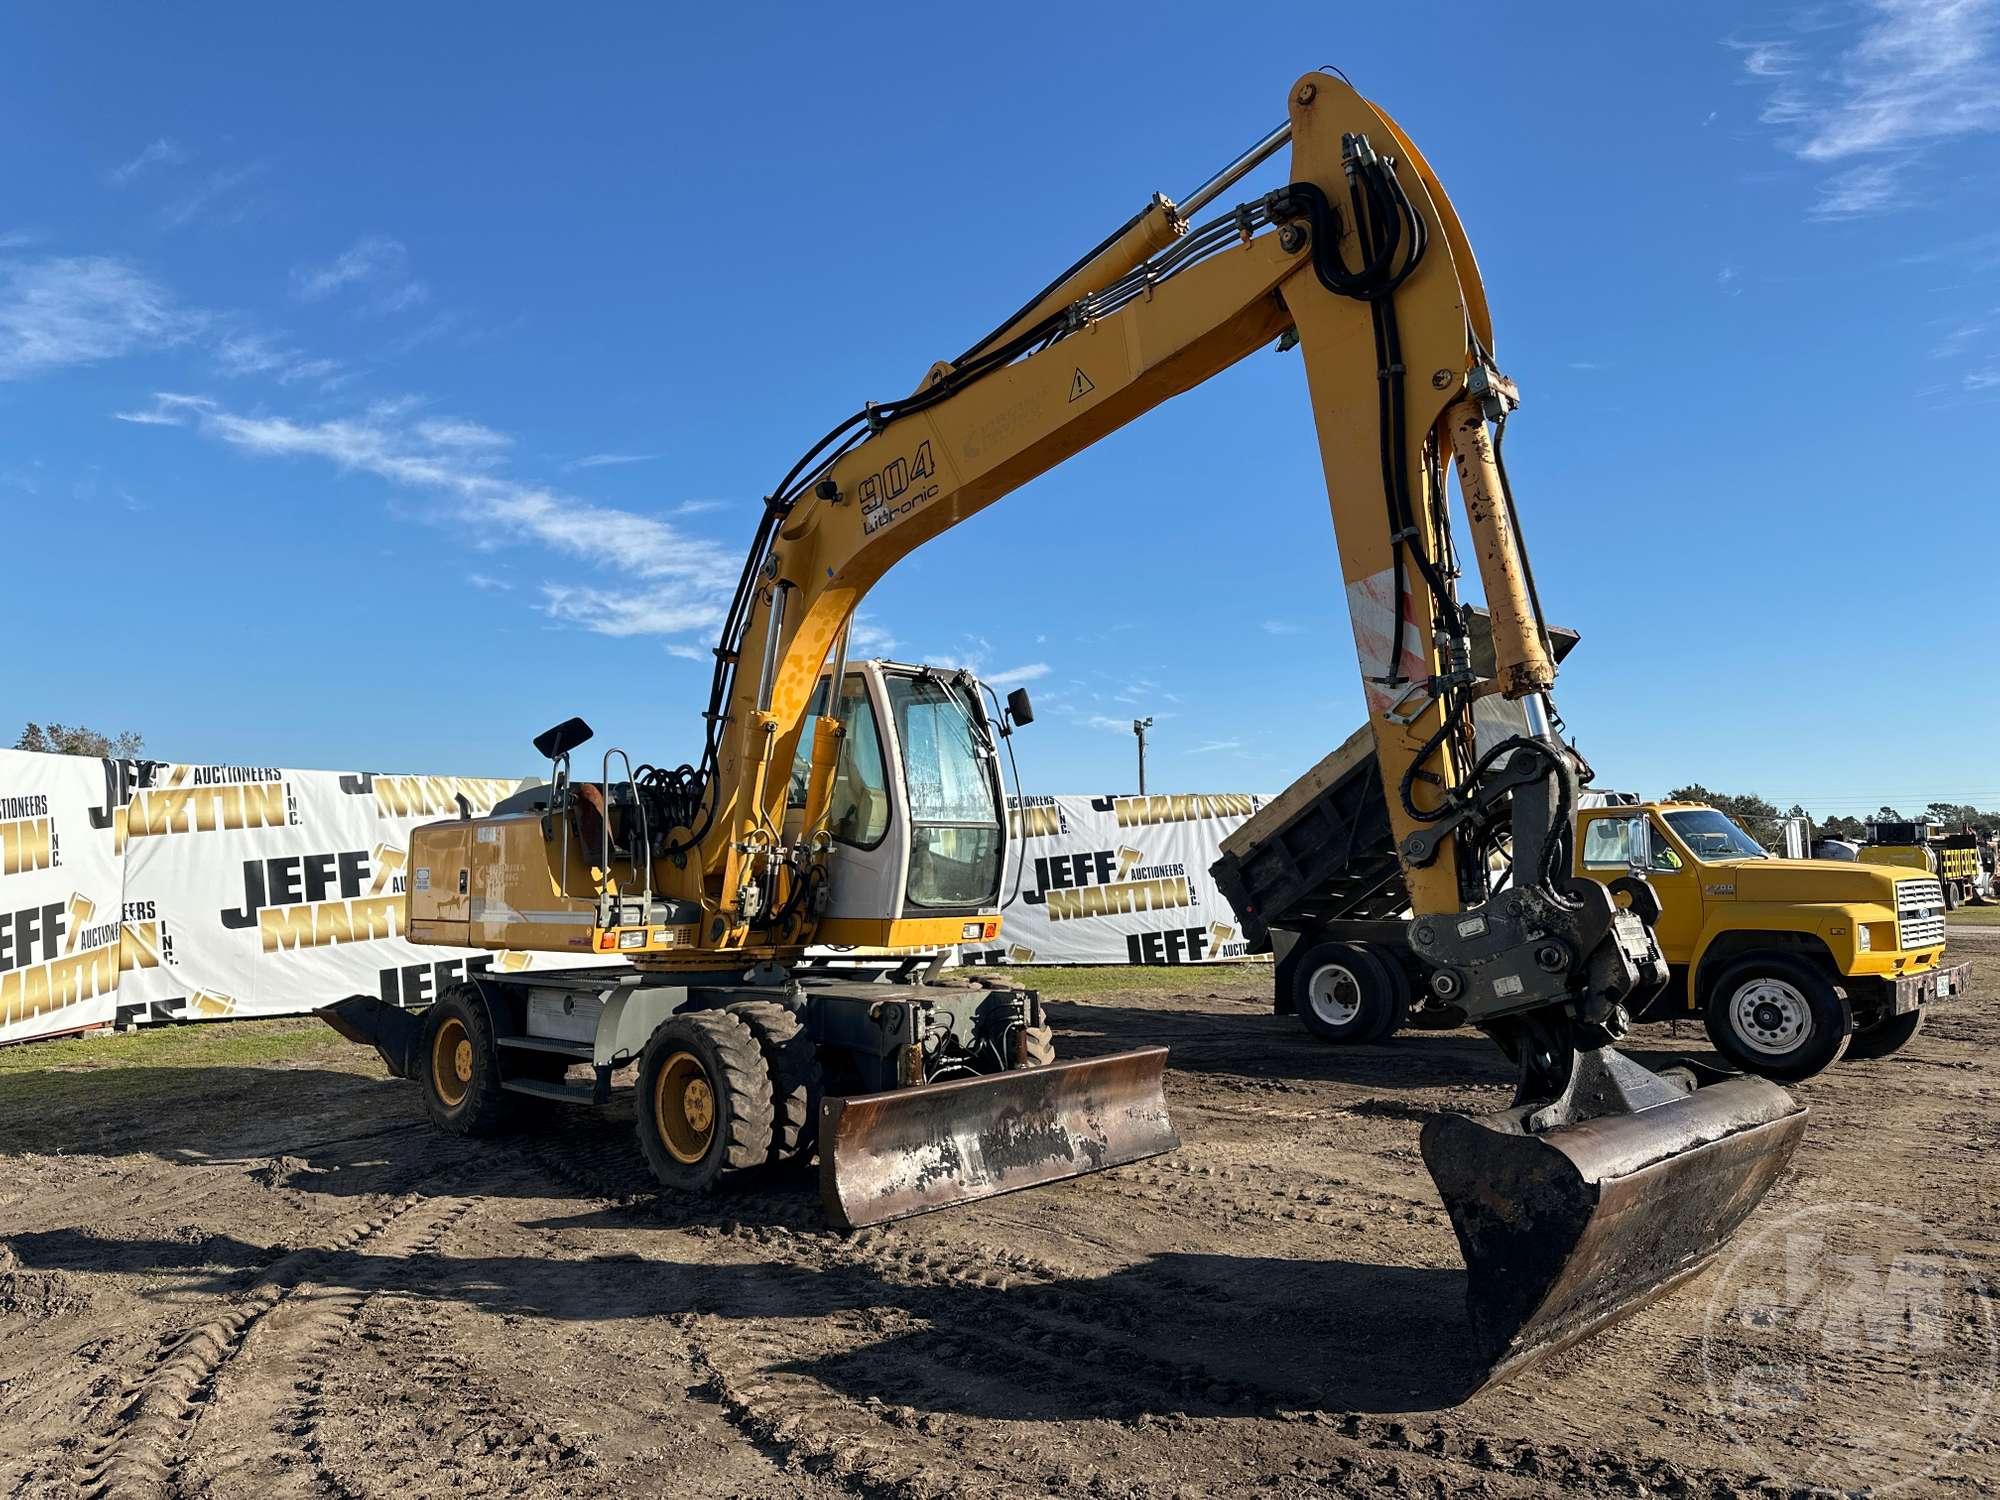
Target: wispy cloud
[1730, 280]
[488, 583]
[1917, 72]
[215, 198]
[161, 153]
[155, 418]
[678, 582]
[1767, 59]
[1034, 671]
[689, 653]
[375, 263]
[1281, 627]
[1216, 745]
[606, 460]
[246, 352]
[1871, 188]
[73, 310]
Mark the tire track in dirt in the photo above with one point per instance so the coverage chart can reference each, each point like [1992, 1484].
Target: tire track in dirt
[354, 1449]
[1039, 1326]
[135, 1453]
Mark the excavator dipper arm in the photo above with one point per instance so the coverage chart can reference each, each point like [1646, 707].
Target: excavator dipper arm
[1604, 1183]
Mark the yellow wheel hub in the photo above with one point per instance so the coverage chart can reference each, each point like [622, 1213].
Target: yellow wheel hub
[684, 1107]
[451, 1062]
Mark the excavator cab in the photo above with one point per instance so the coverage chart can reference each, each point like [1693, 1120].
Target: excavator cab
[917, 811]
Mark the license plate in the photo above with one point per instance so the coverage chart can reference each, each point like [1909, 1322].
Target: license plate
[1944, 985]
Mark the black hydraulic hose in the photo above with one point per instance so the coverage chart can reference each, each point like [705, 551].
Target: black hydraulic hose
[1027, 307]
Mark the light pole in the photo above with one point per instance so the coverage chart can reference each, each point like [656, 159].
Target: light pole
[1139, 727]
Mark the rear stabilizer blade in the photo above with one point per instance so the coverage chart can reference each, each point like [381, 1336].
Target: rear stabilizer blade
[394, 1033]
[910, 1151]
[1567, 1229]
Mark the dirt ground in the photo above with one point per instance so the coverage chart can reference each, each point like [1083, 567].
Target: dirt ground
[253, 1271]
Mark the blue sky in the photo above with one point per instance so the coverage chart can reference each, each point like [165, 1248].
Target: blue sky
[379, 386]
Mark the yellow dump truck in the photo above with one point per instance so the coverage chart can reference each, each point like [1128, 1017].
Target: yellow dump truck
[1790, 964]
[1920, 844]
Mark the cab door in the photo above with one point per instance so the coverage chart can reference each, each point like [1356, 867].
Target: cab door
[1616, 840]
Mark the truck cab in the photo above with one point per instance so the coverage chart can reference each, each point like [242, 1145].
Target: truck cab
[1791, 964]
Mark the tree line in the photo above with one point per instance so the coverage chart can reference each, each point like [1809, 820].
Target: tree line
[1762, 819]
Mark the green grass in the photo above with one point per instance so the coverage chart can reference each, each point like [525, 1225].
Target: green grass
[1974, 916]
[46, 1087]
[203, 1045]
[1106, 979]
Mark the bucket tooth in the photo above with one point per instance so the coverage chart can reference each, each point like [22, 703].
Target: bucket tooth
[910, 1151]
[1570, 1220]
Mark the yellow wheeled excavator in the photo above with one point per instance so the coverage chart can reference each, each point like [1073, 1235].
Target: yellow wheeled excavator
[841, 805]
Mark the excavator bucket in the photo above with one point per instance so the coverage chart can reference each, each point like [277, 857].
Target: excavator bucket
[1570, 1226]
[909, 1151]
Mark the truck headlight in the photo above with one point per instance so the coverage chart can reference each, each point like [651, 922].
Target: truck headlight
[1862, 940]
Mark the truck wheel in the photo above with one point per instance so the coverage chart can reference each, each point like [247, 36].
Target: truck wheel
[1034, 1047]
[1344, 993]
[1398, 1015]
[1885, 1038]
[703, 1101]
[793, 1063]
[1776, 1017]
[461, 1066]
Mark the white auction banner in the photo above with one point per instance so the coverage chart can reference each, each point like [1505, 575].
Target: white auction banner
[1118, 880]
[63, 942]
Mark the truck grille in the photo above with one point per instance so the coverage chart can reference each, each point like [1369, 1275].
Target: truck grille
[1919, 913]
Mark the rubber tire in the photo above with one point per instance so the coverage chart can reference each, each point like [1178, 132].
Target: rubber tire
[1833, 1023]
[728, 1053]
[1398, 1015]
[792, 1061]
[1034, 1047]
[485, 1109]
[1885, 1038]
[1373, 981]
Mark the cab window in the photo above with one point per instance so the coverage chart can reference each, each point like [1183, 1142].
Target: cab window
[1609, 843]
[859, 811]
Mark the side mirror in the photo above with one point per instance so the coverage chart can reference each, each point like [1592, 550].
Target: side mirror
[562, 739]
[1020, 708]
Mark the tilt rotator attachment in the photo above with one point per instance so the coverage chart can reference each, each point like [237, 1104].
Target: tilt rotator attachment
[1603, 1185]
[938, 1145]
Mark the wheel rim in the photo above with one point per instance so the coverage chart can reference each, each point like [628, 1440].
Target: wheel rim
[1771, 1017]
[451, 1061]
[1334, 994]
[684, 1107]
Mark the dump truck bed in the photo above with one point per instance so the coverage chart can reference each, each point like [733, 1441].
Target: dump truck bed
[1322, 850]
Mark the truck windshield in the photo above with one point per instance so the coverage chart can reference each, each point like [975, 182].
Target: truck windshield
[955, 842]
[1711, 835]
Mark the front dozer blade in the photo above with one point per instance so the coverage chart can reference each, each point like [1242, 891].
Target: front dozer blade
[395, 1033]
[1566, 1227]
[909, 1151]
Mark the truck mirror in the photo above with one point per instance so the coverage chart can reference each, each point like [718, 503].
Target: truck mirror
[1639, 845]
[1020, 708]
